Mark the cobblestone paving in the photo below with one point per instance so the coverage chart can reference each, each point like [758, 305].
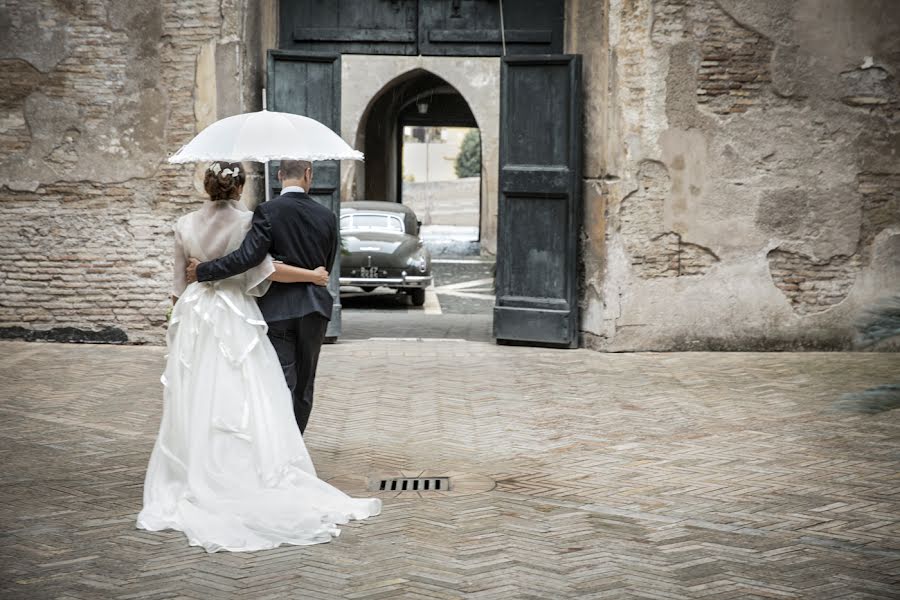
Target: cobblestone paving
[614, 476]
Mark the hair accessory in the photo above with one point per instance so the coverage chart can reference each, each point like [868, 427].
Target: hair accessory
[233, 172]
[215, 168]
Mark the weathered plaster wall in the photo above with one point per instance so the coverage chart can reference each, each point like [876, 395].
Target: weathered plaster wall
[742, 164]
[742, 179]
[94, 95]
[363, 78]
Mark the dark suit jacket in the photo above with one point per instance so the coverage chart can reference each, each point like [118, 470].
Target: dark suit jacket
[296, 230]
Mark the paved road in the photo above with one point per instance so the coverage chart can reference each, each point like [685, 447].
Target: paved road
[573, 475]
[460, 306]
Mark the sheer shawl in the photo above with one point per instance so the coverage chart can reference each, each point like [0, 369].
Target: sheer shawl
[214, 230]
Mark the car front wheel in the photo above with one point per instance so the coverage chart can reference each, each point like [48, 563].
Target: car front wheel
[418, 296]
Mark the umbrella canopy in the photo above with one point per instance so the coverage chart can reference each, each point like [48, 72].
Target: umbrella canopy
[263, 136]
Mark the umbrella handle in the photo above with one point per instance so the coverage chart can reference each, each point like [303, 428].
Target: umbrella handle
[265, 164]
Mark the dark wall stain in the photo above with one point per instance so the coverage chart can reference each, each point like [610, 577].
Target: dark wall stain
[106, 335]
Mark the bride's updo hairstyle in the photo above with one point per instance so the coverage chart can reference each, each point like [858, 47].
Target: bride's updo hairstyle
[224, 180]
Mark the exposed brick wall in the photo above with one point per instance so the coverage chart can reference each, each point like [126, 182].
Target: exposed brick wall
[732, 71]
[670, 20]
[189, 25]
[815, 284]
[811, 285]
[734, 61]
[655, 251]
[880, 205]
[80, 253]
[17, 80]
[86, 256]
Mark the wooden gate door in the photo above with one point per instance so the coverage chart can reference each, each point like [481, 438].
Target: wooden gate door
[539, 217]
[309, 84]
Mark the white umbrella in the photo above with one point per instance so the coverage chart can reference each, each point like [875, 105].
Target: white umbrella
[263, 136]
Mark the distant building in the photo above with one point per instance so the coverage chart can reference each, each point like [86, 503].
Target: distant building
[435, 159]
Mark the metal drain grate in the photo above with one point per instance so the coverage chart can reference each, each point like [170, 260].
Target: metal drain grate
[415, 484]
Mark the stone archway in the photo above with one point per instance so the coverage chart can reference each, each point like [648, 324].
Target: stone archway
[394, 107]
[477, 80]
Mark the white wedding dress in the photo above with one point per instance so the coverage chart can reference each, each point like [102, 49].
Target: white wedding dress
[229, 467]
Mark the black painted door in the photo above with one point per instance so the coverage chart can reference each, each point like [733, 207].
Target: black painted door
[539, 218]
[349, 26]
[426, 27]
[309, 84]
[472, 27]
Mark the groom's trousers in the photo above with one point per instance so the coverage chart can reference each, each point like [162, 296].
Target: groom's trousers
[297, 343]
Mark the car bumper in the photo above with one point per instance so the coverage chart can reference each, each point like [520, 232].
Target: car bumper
[408, 281]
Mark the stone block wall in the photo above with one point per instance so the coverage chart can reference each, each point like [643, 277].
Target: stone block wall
[94, 96]
[741, 170]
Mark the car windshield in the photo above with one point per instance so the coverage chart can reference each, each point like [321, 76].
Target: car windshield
[371, 222]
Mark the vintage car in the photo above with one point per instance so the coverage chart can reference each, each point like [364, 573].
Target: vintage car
[380, 246]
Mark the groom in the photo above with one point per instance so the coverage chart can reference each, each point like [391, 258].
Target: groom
[298, 231]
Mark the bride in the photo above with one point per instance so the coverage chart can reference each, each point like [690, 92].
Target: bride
[229, 467]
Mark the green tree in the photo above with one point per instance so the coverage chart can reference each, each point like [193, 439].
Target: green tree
[468, 161]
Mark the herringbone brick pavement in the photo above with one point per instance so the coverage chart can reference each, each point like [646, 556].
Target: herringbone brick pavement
[616, 476]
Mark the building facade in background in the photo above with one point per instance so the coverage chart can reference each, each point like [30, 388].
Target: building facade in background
[740, 173]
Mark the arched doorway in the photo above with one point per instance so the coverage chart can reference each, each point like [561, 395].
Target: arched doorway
[423, 149]
[539, 168]
[375, 80]
[412, 131]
